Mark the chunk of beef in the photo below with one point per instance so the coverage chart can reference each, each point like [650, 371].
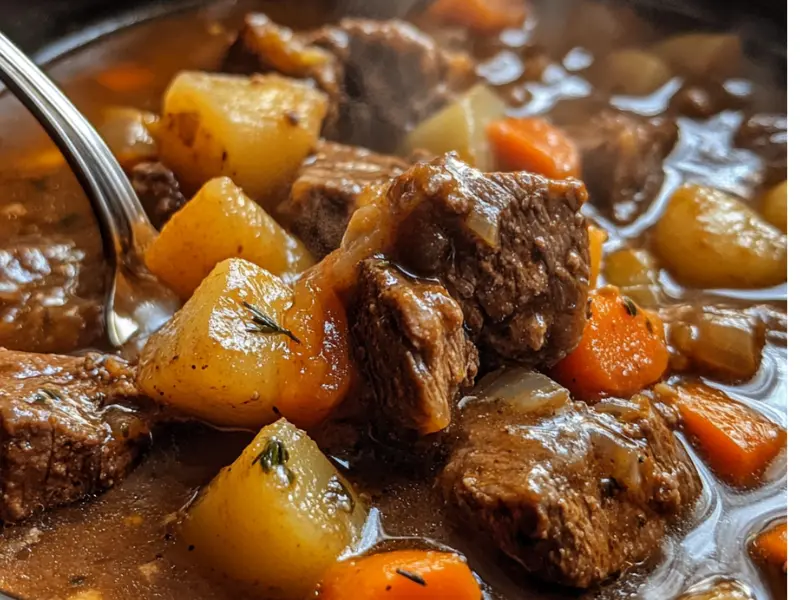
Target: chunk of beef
[511, 249]
[767, 136]
[411, 346]
[67, 429]
[622, 156]
[326, 191]
[50, 296]
[393, 77]
[158, 191]
[575, 496]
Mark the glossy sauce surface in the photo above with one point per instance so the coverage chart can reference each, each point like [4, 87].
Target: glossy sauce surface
[122, 543]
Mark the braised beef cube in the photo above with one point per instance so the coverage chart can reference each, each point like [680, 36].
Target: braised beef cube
[411, 346]
[394, 76]
[767, 136]
[622, 156]
[50, 294]
[325, 193]
[703, 99]
[511, 249]
[158, 191]
[574, 497]
[69, 427]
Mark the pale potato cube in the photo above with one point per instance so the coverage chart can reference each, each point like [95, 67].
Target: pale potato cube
[221, 222]
[278, 517]
[774, 206]
[257, 131]
[634, 72]
[209, 362]
[707, 238]
[461, 127]
[715, 55]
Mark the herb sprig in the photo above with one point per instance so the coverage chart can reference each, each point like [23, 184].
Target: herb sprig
[274, 457]
[263, 323]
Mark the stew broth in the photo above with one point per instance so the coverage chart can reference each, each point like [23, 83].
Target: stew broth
[123, 545]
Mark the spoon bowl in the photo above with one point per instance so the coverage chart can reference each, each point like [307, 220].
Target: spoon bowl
[137, 304]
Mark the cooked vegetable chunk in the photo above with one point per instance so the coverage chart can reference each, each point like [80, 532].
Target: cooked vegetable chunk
[634, 72]
[772, 546]
[738, 443]
[597, 237]
[221, 222]
[461, 127]
[774, 206]
[621, 352]
[245, 349]
[533, 145]
[278, 517]
[257, 130]
[481, 16]
[715, 55]
[401, 575]
[708, 238]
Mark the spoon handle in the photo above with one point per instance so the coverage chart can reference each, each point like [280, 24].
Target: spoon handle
[125, 226]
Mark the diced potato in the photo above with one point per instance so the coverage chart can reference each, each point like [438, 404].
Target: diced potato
[724, 589]
[708, 238]
[773, 206]
[461, 126]
[221, 222]
[698, 55]
[278, 517]
[633, 72]
[208, 362]
[127, 133]
[256, 131]
[222, 362]
[634, 271]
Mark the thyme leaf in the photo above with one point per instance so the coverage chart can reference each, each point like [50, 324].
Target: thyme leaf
[630, 306]
[415, 577]
[263, 323]
[274, 457]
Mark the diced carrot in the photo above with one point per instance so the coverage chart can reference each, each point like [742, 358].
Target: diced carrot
[400, 575]
[481, 16]
[126, 77]
[597, 238]
[772, 546]
[621, 352]
[533, 145]
[738, 443]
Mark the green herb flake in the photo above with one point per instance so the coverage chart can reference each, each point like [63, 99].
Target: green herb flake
[630, 306]
[273, 459]
[263, 323]
[416, 578]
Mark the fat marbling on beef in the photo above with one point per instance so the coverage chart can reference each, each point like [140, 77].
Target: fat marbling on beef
[69, 427]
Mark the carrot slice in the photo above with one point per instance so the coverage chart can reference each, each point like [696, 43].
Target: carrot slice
[533, 145]
[481, 16]
[738, 443]
[622, 350]
[772, 546]
[597, 238]
[126, 77]
[401, 575]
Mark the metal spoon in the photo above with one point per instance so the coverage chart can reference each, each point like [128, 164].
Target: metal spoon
[136, 304]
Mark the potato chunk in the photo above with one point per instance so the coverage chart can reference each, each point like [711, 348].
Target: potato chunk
[256, 130]
[221, 222]
[708, 238]
[774, 206]
[278, 517]
[222, 362]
